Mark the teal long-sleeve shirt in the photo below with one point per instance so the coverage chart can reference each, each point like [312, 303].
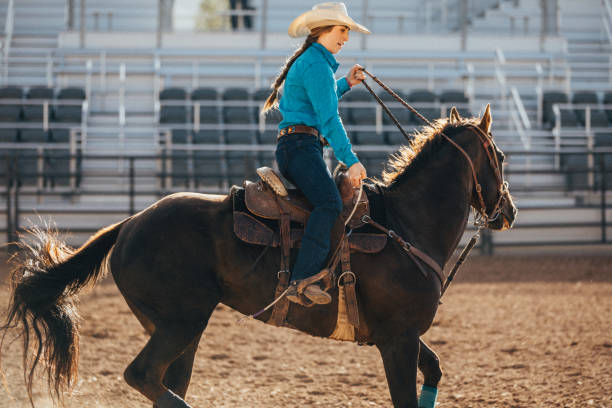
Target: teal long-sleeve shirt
[310, 97]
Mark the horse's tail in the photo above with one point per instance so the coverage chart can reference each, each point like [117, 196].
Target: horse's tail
[47, 274]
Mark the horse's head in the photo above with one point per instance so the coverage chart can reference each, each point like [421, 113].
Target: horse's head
[491, 196]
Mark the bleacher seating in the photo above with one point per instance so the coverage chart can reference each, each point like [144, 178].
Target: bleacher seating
[35, 164]
[423, 96]
[568, 116]
[240, 164]
[607, 100]
[207, 164]
[458, 99]
[598, 117]
[57, 161]
[271, 120]
[232, 116]
[10, 113]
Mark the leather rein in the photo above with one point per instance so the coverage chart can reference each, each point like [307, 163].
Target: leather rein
[485, 140]
[481, 218]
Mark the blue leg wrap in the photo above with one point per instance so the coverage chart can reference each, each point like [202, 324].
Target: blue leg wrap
[428, 397]
[171, 400]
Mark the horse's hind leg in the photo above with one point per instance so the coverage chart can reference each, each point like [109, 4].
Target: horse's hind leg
[429, 364]
[147, 371]
[178, 375]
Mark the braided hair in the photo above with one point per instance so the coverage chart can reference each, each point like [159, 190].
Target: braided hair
[272, 101]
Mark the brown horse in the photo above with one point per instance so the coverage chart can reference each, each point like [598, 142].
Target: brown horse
[176, 260]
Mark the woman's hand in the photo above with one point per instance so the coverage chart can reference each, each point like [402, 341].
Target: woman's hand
[355, 75]
[356, 173]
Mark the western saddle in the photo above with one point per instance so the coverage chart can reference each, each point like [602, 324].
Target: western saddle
[267, 213]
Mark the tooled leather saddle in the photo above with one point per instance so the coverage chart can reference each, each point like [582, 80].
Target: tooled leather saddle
[267, 213]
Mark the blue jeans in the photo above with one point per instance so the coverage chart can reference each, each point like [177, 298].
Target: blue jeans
[300, 160]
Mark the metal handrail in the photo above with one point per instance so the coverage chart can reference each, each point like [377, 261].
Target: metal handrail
[607, 18]
[519, 118]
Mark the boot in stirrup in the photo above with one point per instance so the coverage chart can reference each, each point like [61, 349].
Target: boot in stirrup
[307, 292]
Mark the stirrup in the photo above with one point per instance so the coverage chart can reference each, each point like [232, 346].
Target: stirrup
[293, 296]
[298, 291]
[322, 275]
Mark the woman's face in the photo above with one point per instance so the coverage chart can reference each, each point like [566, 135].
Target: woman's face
[334, 39]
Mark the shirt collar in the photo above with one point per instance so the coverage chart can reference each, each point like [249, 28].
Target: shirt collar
[329, 57]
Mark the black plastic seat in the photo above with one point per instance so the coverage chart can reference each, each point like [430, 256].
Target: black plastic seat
[174, 114]
[272, 117]
[10, 113]
[260, 96]
[240, 164]
[603, 139]
[598, 117]
[69, 113]
[423, 96]
[28, 166]
[34, 136]
[374, 162]
[180, 168]
[358, 115]
[576, 172]
[34, 112]
[209, 113]
[236, 114]
[207, 164]
[396, 137]
[568, 116]
[401, 113]
[607, 100]
[57, 167]
[367, 138]
[458, 99]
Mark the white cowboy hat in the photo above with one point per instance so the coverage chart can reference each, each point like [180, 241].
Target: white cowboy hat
[324, 14]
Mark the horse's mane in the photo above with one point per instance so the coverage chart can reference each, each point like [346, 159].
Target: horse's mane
[424, 144]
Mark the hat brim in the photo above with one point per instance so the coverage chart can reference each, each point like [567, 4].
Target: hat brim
[302, 25]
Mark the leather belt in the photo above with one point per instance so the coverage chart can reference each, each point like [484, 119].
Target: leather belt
[302, 129]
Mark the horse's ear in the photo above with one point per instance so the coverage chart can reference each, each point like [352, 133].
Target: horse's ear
[454, 116]
[485, 122]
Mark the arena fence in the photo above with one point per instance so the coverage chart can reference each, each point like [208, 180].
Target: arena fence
[578, 213]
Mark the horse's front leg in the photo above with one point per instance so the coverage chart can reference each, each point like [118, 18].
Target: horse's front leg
[429, 364]
[400, 355]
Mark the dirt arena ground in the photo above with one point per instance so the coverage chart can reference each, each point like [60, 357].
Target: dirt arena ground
[514, 331]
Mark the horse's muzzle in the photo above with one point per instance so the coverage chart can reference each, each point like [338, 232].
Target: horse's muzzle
[507, 215]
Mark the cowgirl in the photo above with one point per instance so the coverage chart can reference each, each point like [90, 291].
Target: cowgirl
[309, 106]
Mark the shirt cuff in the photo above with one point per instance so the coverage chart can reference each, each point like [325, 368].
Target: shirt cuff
[343, 85]
[350, 160]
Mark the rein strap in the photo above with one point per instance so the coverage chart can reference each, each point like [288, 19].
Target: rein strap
[412, 251]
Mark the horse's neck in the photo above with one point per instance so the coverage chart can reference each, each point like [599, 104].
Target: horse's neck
[431, 207]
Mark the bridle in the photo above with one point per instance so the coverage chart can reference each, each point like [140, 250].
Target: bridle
[481, 217]
[486, 141]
